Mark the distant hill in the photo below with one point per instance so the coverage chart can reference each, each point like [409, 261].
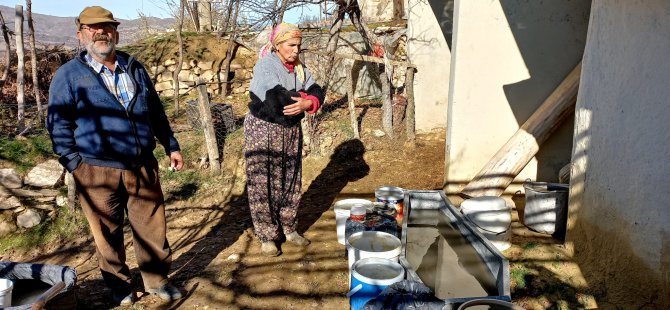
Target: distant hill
[53, 30]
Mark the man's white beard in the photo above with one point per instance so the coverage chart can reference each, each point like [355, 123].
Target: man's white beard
[102, 52]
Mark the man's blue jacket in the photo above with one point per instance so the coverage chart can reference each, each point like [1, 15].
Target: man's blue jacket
[87, 123]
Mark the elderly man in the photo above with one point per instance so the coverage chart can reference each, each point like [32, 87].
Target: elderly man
[104, 118]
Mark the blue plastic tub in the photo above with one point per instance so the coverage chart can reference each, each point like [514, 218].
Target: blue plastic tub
[369, 277]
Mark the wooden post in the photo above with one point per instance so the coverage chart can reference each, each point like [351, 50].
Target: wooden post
[46, 296]
[208, 127]
[352, 105]
[409, 113]
[365, 58]
[506, 164]
[180, 61]
[387, 104]
[33, 63]
[20, 69]
[8, 49]
[71, 192]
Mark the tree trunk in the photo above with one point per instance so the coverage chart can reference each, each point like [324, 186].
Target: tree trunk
[8, 57]
[311, 133]
[375, 46]
[275, 9]
[280, 14]
[409, 113]
[332, 46]
[180, 41]
[321, 12]
[506, 164]
[33, 63]
[387, 104]
[20, 83]
[229, 7]
[232, 47]
[352, 105]
[208, 127]
[193, 12]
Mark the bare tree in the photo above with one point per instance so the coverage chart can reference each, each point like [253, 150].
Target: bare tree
[333, 39]
[280, 14]
[33, 62]
[8, 57]
[228, 8]
[20, 83]
[180, 41]
[193, 12]
[232, 48]
[275, 7]
[375, 46]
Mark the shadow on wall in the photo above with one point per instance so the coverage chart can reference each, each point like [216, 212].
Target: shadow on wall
[616, 271]
[444, 12]
[551, 37]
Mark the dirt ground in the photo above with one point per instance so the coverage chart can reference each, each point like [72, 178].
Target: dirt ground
[217, 259]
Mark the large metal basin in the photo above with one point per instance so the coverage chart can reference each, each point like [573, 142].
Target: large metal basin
[445, 252]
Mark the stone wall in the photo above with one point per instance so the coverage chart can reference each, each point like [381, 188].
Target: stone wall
[212, 71]
[26, 202]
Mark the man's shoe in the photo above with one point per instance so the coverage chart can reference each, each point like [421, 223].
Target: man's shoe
[269, 248]
[122, 298]
[166, 292]
[295, 238]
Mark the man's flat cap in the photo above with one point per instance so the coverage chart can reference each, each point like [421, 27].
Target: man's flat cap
[95, 15]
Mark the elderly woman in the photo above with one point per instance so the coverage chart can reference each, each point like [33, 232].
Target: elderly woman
[282, 90]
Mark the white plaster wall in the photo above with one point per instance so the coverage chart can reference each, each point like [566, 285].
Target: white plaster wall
[377, 10]
[427, 48]
[619, 204]
[507, 57]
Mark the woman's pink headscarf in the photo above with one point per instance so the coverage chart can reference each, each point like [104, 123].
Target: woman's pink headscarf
[281, 33]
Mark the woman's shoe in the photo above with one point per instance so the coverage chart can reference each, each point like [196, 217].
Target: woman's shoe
[295, 238]
[269, 248]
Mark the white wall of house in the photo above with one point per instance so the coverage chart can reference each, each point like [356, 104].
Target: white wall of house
[507, 57]
[619, 204]
[427, 48]
[378, 10]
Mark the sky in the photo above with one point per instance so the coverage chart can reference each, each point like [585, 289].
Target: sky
[123, 9]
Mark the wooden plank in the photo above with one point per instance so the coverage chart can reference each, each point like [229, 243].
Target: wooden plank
[409, 113]
[352, 107]
[71, 192]
[208, 127]
[500, 171]
[366, 58]
[27, 193]
[46, 296]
